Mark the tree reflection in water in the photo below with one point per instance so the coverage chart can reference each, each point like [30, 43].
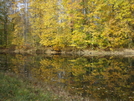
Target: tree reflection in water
[100, 78]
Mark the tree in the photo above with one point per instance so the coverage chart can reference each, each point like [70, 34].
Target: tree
[20, 19]
[5, 22]
[104, 24]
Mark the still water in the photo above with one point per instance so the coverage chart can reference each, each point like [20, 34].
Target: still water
[108, 78]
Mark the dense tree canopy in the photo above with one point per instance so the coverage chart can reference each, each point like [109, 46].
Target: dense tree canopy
[102, 24]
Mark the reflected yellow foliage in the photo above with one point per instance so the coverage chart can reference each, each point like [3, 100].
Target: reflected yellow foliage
[98, 77]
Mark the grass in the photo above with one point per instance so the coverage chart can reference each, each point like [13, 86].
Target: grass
[15, 89]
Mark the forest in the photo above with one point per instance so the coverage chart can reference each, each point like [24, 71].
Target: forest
[92, 24]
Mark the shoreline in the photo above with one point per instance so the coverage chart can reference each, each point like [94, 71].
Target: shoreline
[82, 52]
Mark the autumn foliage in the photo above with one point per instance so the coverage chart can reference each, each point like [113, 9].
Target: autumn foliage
[101, 24]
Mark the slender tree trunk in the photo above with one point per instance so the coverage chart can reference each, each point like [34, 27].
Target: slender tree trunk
[5, 24]
[25, 21]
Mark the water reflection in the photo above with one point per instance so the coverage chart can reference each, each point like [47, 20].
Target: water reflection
[101, 78]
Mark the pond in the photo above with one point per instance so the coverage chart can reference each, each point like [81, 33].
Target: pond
[108, 78]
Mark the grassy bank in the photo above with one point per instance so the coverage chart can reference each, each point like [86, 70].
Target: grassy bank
[14, 89]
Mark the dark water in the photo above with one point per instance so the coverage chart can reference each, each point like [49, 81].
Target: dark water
[106, 78]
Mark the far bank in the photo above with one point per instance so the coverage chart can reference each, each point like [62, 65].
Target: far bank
[67, 51]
